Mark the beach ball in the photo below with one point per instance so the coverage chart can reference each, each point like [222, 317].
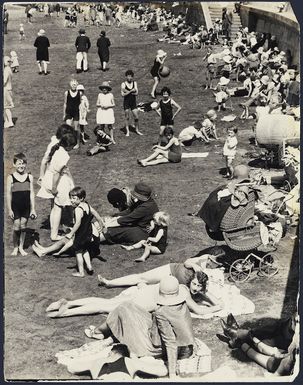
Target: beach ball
[164, 72]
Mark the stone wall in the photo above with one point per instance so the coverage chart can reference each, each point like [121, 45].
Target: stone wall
[286, 30]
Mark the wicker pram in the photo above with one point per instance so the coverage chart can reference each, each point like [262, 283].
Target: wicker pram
[238, 228]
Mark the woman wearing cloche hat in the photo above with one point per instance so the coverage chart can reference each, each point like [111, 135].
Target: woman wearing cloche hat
[105, 112]
[42, 45]
[132, 227]
[168, 334]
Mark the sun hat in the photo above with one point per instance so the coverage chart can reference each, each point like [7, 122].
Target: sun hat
[161, 53]
[211, 114]
[170, 292]
[241, 172]
[198, 124]
[80, 87]
[41, 32]
[265, 80]
[224, 81]
[105, 85]
[276, 49]
[142, 192]
[228, 59]
[81, 30]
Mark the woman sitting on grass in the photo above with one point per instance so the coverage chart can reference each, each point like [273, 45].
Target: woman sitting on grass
[170, 153]
[189, 274]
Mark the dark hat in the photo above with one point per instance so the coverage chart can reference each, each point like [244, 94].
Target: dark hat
[81, 30]
[142, 192]
[102, 33]
[116, 197]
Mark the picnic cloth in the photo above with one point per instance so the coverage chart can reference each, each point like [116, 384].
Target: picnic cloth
[228, 118]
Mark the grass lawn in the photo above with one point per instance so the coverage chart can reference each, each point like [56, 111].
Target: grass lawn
[31, 339]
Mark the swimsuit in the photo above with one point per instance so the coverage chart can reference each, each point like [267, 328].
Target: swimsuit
[21, 198]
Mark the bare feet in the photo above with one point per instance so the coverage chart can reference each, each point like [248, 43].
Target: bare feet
[126, 247]
[139, 133]
[103, 281]
[76, 147]
[141, 259]
[22, 252]
[15, 252]
[56, 305]
[36, 243]
[38, 251]
[127, 133]
[81, 275]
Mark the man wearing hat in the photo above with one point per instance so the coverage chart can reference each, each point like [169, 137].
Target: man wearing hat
[103, 44]
[42, 44]
[131, 226]
[83, 45]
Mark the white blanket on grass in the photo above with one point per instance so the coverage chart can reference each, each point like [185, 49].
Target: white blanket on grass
[194, 155]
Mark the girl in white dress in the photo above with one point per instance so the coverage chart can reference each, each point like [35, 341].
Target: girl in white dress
[105, 113]
[57, 181]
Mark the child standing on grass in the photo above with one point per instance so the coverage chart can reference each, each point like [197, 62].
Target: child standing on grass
[129, 91]
[105, 113]
[229, 151]
[209, 127]
[158, 64]
[223, 94]
[21, 32]
[157, 241]
[82, 230]
[15, 62]
[20, 201]
[83, 110]
[82, 238]
[165, 111]
[72, 100]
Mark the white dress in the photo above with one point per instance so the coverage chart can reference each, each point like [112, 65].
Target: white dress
[105, 116]
[57, 165]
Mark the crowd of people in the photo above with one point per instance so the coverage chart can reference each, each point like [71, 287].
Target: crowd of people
[252, 67]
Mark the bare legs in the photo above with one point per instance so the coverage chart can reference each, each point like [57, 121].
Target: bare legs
[157, 157]
[19, 233]
[136, 121]
[62, 245]
[150, 277]
[76, 125]
[156, 82]
[148, 249]
[84, 306]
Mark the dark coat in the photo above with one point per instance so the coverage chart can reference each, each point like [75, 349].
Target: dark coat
[42, 44]
[103, 45]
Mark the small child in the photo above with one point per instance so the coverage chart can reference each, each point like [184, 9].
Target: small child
[20, 201]
[103, 142]
[158, 63]
[81, 238]
[83, 110]
[15, 62]
[21, 32]
[209, 127]
[165, 111]
[105, 113]
[210, 68]
[223, 94]
[229, 151]
[157, 241]
[189, 134]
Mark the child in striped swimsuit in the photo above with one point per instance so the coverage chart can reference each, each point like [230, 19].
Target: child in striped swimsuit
[20, 201]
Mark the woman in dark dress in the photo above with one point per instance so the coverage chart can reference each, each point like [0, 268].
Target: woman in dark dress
[131, 227]
[42, 44]
[103, 45]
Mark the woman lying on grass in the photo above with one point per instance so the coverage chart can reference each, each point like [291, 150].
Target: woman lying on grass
[146, 286]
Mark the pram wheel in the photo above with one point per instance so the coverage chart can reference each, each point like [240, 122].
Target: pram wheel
[240, 270]
[268, 265]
